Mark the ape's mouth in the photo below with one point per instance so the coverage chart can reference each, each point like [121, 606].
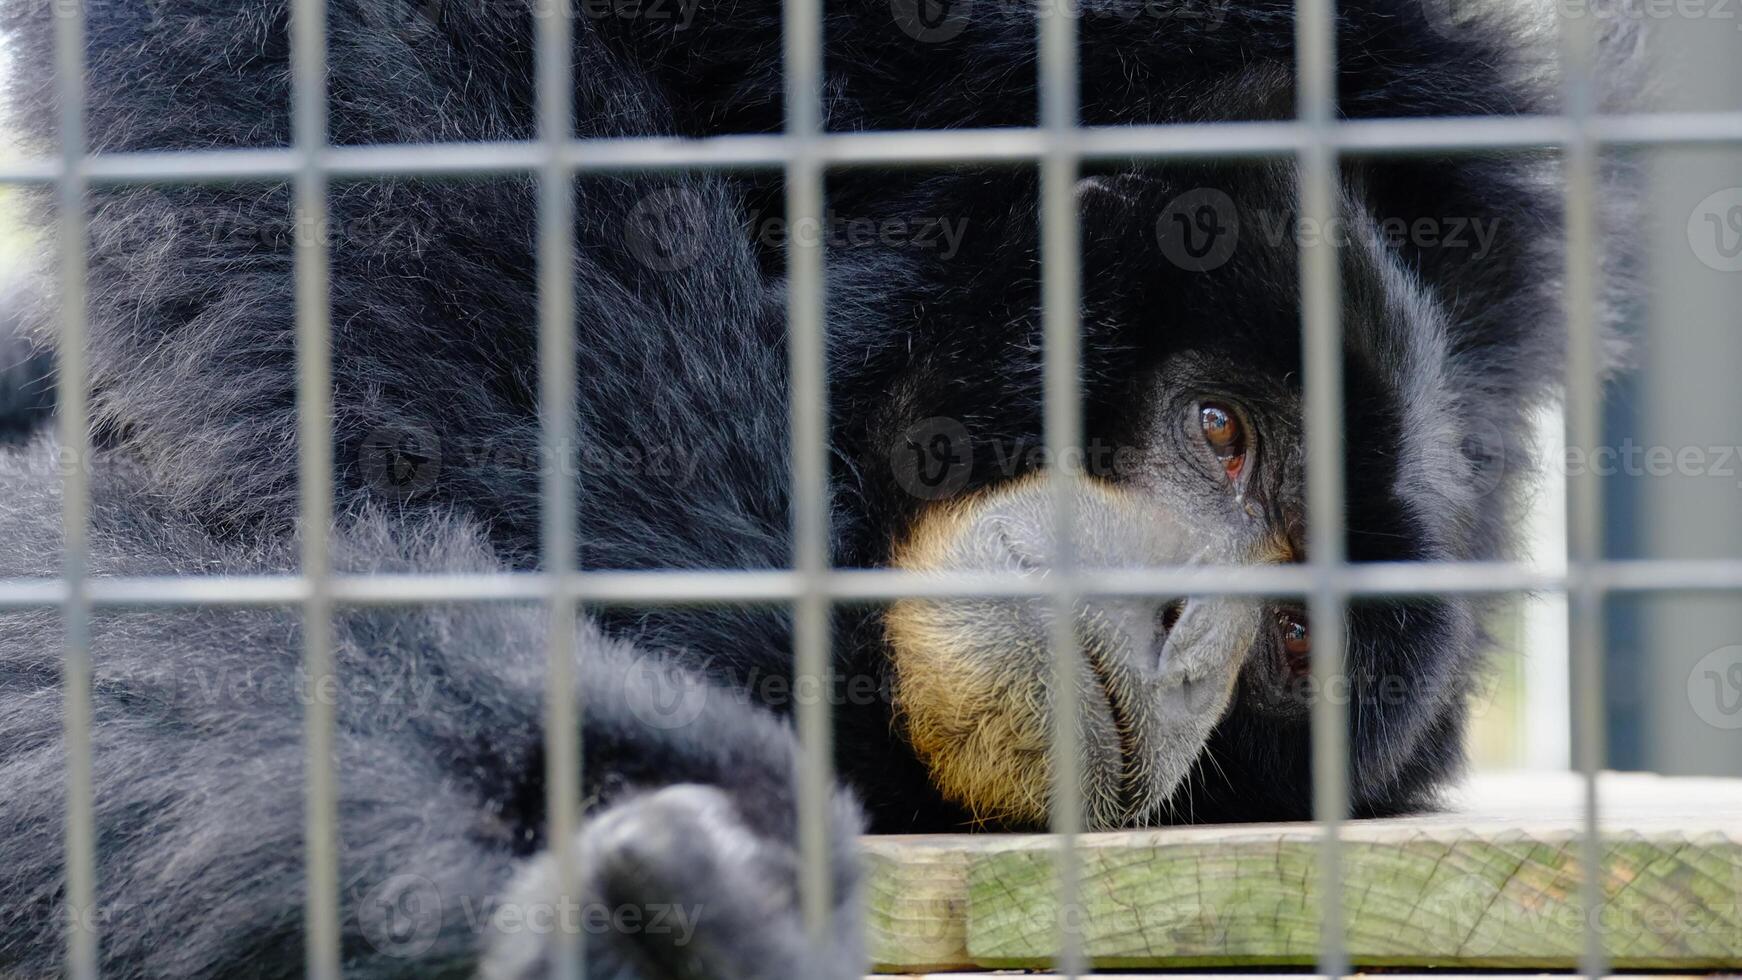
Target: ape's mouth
[1137, 791]
[1124, 728]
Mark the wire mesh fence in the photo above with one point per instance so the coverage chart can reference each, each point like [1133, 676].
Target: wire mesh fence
[1315, 141]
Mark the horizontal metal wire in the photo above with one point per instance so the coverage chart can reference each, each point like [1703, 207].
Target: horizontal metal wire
[1377, 579]
[1185, 140]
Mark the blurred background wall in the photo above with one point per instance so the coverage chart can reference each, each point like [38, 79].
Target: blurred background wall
[1675, 680]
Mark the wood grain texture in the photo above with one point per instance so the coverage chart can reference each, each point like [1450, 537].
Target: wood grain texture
[1491, 882]
[1225, 975]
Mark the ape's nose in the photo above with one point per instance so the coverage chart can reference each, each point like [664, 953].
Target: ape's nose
[1139, 641]
[1170, 616]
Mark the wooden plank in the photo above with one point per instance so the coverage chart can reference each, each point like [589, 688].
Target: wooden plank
[917, 902]
[1177, 975]
[1491, 882]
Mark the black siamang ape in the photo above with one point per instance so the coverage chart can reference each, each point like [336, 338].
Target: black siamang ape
[1193, 709]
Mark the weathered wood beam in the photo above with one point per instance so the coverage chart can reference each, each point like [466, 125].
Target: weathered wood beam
[1491, 882]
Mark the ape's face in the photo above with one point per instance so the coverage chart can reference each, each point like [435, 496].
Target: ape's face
[974, 677]
[1192, 388]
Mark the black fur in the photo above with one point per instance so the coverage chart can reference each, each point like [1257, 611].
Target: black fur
[682, 454]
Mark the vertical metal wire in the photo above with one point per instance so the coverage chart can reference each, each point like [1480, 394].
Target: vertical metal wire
[1061, 292]
[315, 472]
[808, 408]
[1321, 307]
[81, 848]
[1584, 429]
[557, 391]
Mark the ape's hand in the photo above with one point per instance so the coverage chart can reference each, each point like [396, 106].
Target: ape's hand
[677, 884]
[687, 863]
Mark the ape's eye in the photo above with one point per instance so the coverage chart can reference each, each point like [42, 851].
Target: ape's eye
[1225, 436]
[1297, 643]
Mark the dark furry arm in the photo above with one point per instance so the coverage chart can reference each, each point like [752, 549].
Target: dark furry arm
[198, 740]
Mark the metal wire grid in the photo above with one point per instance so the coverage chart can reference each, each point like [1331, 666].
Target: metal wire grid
[1316, 139]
